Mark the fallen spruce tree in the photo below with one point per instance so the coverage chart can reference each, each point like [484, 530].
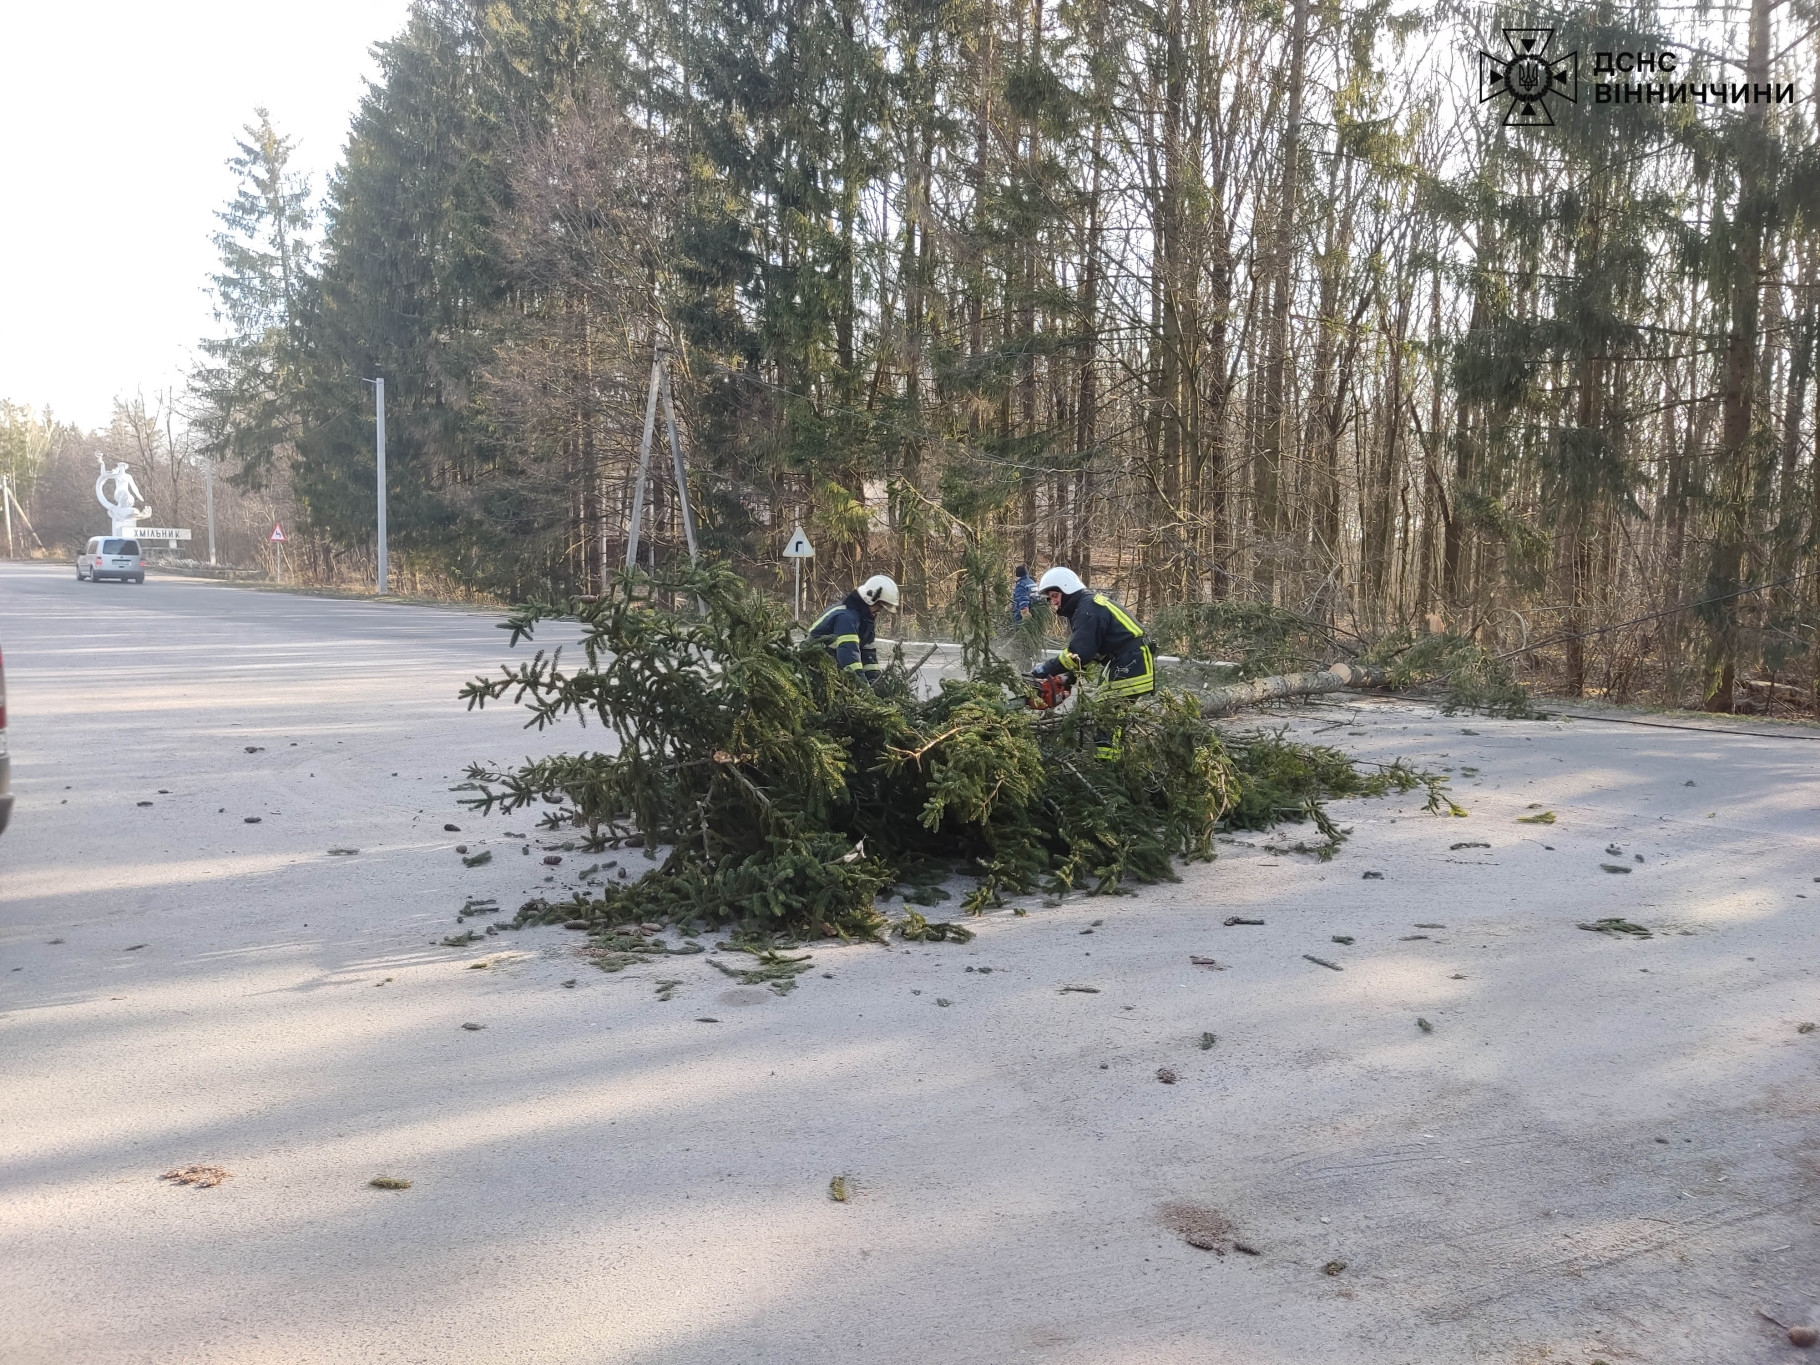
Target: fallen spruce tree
[789, 800]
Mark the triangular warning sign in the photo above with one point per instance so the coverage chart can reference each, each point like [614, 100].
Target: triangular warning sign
[799, 546]
[277, 533]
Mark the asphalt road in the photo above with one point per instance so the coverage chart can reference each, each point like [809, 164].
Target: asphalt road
[1606, 1148]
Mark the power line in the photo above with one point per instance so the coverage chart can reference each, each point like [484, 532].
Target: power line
[1657, 615]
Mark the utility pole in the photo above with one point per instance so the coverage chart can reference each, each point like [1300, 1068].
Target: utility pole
[208, 488]
[660, 386]
[379, 459]
[6, 505]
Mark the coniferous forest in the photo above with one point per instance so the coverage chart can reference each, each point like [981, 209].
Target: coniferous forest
[1217, 303]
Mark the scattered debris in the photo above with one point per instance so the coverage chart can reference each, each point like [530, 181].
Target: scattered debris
[1080, 990]
[1614, 867]
[552, 859]
[1323, 962]
[943, 1003]
[1468, 843]
[1688, 783]
[1246, 1248]
[478, 966]
[707, 1019]
[1614, 850]
[1165, 1075]
[917, 929]
[386, 982]
[201, 1177]
[837, 1189]
[255, 748]
[1231, 920]
[461, 940]
[343, 852]
[1424, 1025]
[1207, 1041]
[1457, 976]
[773, 970]
[1547, 817]
[1805, 1028]
[1345, 939]
[1617, 925]
[1431, 926]
[484, 856]
[252, 820]
[1372, 877]
[667, 989]
[473, 1028]
[1333, 1267]
[1199, 961]
[389, 1182]
[133, 947]
[1412, 938]
[456, 829]
[144, 803]
[570, 984]
[1205, 1228]
[1802, 1337]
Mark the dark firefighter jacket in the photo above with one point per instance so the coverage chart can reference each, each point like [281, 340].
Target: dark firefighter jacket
[846, 627]
[1103, 634]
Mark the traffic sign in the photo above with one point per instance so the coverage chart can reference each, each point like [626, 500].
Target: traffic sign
[172, 533]
[799, 546]
[277, 533]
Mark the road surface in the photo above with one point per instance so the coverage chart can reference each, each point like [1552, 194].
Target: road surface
[1605, 1149]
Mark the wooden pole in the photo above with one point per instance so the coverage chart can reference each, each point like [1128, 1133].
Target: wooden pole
[644, 460]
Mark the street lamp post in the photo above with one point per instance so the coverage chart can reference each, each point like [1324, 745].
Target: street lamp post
[379, 459]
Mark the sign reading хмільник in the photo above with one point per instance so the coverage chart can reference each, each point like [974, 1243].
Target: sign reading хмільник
[162, 533]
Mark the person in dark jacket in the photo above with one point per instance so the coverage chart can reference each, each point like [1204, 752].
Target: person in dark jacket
[847, 626]
[1023, 593]
[1100, 634]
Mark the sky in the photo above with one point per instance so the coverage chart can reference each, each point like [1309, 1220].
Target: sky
[116, 120]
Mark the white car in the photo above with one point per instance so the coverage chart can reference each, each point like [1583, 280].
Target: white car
[110, 558]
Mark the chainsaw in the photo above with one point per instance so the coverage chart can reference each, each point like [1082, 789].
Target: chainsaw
[1052, 690]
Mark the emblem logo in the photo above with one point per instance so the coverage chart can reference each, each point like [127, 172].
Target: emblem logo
[1529, 78]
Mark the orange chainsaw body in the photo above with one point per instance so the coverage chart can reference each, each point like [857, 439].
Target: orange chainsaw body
[1051, 692]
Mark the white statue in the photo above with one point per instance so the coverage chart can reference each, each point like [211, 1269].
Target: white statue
[124, 507]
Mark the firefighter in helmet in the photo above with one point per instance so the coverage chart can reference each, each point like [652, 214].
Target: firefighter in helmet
[1100, 634]
[847, 626]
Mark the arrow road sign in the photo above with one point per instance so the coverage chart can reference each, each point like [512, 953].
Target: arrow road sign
[799, 546]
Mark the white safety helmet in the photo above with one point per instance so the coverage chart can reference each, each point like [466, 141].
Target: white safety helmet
[1066, 581]
[879, 590]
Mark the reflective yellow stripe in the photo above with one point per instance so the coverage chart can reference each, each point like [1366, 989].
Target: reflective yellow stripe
[1118, 614]
[823, 619]
[1069, 661]
[854, 668]
[840, 640]
[1138, 684]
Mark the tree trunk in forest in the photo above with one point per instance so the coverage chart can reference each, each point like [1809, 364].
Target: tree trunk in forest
[1275, 417]
[1735, 399]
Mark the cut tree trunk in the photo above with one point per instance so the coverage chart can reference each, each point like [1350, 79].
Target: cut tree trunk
[1223, 701]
